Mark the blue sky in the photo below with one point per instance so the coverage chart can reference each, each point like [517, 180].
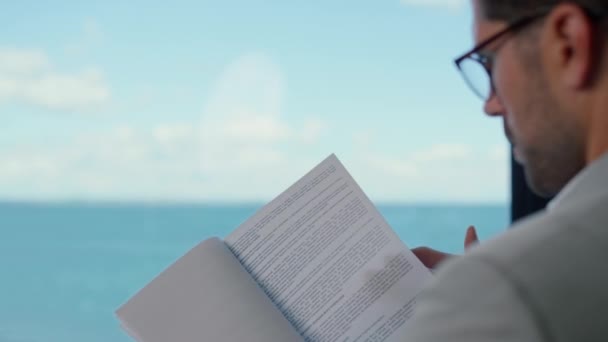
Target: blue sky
[235, 100]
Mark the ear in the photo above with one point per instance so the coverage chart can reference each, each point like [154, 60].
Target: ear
[567, 46]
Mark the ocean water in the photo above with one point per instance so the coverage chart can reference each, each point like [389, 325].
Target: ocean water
[65, 268]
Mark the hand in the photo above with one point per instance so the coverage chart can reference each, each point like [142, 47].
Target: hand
[431, 258]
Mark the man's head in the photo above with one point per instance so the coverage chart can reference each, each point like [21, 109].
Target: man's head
[549, 82]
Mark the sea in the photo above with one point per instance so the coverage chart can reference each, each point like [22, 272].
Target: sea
[66, 267]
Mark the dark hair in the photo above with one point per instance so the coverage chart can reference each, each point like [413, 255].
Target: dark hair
[510, 10]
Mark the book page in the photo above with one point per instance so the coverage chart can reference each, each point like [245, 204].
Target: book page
[327, 258]
[204, 296]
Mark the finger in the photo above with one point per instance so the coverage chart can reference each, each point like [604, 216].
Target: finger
[471, 237]
[430, 257]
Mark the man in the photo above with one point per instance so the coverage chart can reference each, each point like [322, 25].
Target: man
[542, 66]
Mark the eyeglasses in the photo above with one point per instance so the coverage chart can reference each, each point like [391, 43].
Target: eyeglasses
[476, 67]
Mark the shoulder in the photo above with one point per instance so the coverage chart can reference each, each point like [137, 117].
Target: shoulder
[573, 233]
[541, 280]
[471, 300]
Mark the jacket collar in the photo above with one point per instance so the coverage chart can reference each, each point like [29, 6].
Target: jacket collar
[590, 182]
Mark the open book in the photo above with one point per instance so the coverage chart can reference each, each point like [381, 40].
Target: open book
[318, 263]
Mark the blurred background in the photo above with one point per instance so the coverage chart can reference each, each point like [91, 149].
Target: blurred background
[130, 131]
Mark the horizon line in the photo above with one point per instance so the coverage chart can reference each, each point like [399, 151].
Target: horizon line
[219, 202]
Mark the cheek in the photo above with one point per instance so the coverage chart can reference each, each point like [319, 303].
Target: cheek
[504, 82]
[510, 86]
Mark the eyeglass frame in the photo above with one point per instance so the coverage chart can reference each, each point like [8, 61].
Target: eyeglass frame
[513, 26]
[474, 55]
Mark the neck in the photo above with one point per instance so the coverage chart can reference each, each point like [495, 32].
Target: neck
[597, 138]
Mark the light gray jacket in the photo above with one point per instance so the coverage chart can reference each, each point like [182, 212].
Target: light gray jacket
[545, 280]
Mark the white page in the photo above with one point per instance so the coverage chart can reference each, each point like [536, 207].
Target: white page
[204, 296]
[324, 254]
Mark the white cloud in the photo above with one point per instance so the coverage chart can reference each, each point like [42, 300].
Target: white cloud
[92, 31]
[27, 76]
[253, 128]
[499, 153]
[392, 166]
[22, 61]
[244, 147]
[90, 36]
[312, 130]
[252, 85]
[443, 152]
[172, 136]
[160, 164]
[237, 151]
[26, 164]
[445, 4]
[243, 126]
[444, 172]
[122, 163]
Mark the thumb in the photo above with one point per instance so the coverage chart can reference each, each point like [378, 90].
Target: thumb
[470, 238]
